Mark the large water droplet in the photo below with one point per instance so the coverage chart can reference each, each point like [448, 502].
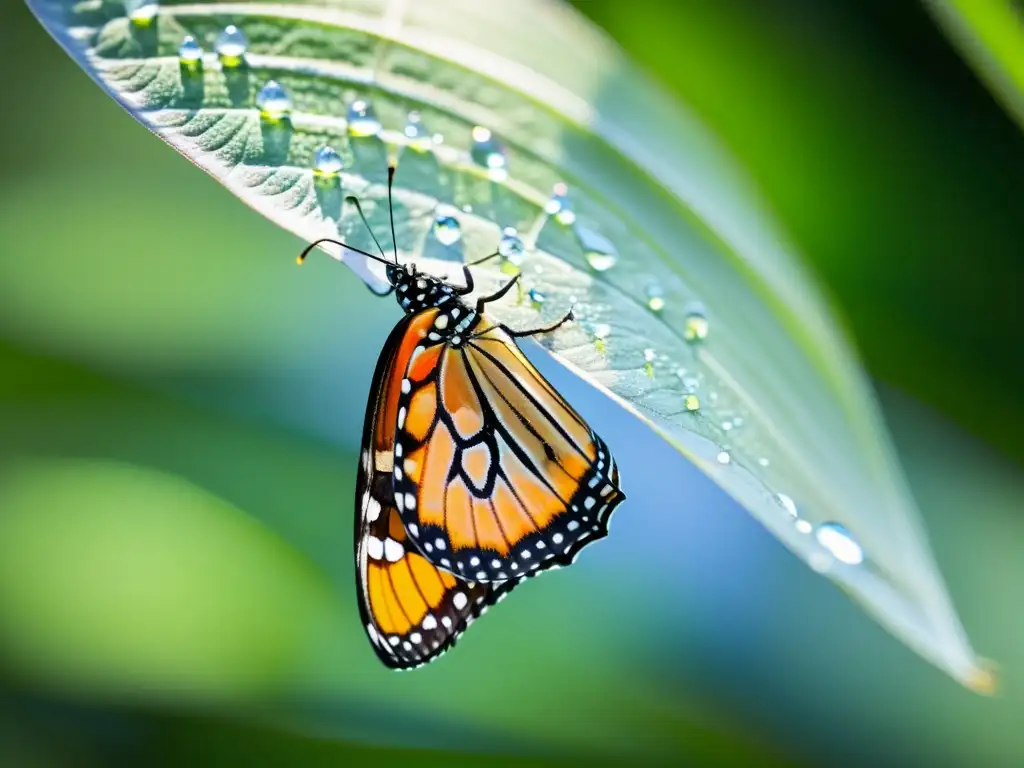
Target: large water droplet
[695, 327]
[362, 119]
[327, 163]
[231, 46]
[141, 12]
[420, 139]
[559, 206]
[840, 543]
[802, 526]
[511, 249]
[598, 250]
[537, 298]
[691, 403]
[447, 229]
[190, 53]
[724, 457]
[655, 298]
[488, 152]
[273, 101]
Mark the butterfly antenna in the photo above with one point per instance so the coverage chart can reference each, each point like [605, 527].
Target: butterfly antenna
[391, 209]
[355, 201]
[483, 259]
[306, 251]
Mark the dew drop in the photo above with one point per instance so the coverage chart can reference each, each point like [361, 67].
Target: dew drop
[602, 330]
[655, 298]
[420, 139]
[691, 403]
[695, 327]
[447, 229]
[511, 248]
[803, 526]
[598, 250]
[649, 357]
[231, 46]
[724, 457]
[537, 298]
[691, 383]
[273, 101]
[141, 12]
[737, 421]
[763, 461]
[787, 504]
[327, 162]
[559, 206]
[840, 543]
[727, 425]
[362, 119]
[190, 53]
[488, 153]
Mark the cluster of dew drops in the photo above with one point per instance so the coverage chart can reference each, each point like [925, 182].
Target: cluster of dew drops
[486, 151]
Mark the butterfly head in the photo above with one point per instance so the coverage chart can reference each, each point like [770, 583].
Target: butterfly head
[417, 291]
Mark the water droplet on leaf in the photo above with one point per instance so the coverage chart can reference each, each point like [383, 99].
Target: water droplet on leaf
[598, 250]
[696, 326]
[787, 504]
[362, 119]
[488, 153]
[447, 229]
[840, 543]
[724, 457]
[231, 46]
[141, 12]
[190, 53]
[655, 298]
[327, 162]
[559, 206]
[420, 139]
[273, 101]
[511, 250]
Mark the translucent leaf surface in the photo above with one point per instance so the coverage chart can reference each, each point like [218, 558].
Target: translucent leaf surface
[990, 35]
[692, 313]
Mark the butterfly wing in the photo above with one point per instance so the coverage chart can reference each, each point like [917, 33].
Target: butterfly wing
[412, 610]
[496, 476]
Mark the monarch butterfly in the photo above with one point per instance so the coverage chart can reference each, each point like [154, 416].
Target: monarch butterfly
[474, 472]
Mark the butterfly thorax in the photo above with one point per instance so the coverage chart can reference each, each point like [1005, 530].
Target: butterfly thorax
[417, 292]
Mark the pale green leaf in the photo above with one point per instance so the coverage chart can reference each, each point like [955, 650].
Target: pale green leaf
[990, 35]
[664, 236]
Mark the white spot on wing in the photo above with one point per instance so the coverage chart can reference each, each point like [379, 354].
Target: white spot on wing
[393, 550]
[429, 622]
[459, 600]
[372, 509]
[374, 548]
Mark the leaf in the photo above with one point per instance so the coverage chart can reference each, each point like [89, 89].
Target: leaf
[990, 35]
[692, 311]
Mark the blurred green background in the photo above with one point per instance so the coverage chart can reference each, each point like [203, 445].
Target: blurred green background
[175, 582]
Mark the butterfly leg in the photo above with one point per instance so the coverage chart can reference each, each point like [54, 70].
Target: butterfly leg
[496, 295]
[537, 331]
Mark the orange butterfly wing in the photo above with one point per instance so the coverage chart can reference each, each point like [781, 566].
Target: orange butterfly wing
[495, 475]
[412, 610]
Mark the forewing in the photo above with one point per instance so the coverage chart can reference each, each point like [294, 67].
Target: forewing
[497, 476]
